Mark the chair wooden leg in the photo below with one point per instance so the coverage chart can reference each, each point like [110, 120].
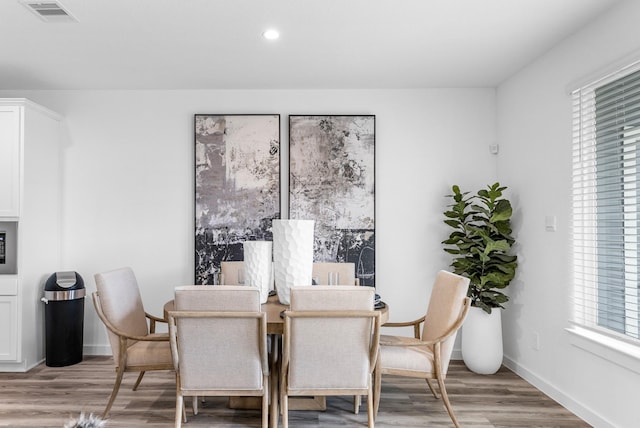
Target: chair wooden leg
[284, 403]
[273, 410]
[181, 409]
[135, 385]
[274, 383]
[447, 404]
[195, 405]
[377, 387]
[370, 416]
[356, 404]
[180, 412]
[114, 392]
[433, 390]
[265, 402]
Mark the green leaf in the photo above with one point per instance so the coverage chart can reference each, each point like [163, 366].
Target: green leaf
[482, 305]
[453, 223]
[501, 245]
[502, 211]
[451, 241]
[505, 259]
[495, 280]
[504, 229]
[483, 193]
[451, 214]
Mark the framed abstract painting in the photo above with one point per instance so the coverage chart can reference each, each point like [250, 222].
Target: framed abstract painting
[332, 181]
[237, 186]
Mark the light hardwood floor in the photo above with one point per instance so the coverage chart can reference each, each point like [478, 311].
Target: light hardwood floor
[47, 397]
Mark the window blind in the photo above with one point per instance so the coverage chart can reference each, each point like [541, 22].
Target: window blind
[605, 206]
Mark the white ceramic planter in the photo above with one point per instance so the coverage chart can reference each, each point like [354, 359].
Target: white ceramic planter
[292, 255]
[482, 340]
[258, 266]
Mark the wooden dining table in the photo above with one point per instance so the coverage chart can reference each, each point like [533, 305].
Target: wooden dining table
[274, 309]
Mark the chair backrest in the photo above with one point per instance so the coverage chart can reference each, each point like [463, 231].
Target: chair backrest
[231, 271]
[346, 272]
[222, 344]
[446, 306]
[121, 304]
[327, 352]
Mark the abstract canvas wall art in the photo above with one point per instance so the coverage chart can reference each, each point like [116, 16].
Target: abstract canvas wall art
[332, 181]
[237, 186]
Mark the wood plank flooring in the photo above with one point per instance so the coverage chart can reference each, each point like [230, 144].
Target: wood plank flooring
[46, 397]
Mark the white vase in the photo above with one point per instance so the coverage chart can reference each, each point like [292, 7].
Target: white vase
[258, 265]
[292, 255]
[482, 340]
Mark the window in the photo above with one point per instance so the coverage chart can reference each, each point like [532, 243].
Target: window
[606, 205]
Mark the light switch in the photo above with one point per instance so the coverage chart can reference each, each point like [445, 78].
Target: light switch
[551, 223]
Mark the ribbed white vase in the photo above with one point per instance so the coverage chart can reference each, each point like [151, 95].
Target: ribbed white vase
[292, 255]
[258, 266]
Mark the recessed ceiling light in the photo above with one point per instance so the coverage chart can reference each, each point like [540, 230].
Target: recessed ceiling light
[271, 34]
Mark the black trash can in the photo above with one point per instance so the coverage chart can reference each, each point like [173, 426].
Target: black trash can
[64, 318]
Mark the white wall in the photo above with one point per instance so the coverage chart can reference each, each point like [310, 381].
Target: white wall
[534, 132]
[128, 179]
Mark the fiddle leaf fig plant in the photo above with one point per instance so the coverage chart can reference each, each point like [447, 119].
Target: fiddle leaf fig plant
[481, 243]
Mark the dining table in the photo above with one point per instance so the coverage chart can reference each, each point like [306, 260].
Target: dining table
[274, 310]
[275, 328]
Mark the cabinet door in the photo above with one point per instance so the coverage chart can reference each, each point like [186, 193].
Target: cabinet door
[9, 328]
[9, 160]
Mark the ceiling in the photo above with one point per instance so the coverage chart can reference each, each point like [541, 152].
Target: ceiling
[218, 44]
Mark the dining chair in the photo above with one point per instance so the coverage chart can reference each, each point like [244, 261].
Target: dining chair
[346, 272]
[219, 345]
[427, 354]
[232, 271]
[135, 345]
[331, 336]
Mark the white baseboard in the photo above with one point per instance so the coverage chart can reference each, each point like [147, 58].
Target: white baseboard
[20, 367]
[96, 350]
[575, 407]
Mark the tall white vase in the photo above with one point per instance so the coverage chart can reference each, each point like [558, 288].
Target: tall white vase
[482, 340]
[292, 255]
[258, 266]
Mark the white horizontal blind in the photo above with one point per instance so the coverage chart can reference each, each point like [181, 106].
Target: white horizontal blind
[606, 201]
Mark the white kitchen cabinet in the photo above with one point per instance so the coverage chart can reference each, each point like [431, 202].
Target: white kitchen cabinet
[10, 130]
[30, 205]
[9, 331]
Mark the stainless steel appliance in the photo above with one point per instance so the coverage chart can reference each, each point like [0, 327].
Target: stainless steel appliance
[8, 247]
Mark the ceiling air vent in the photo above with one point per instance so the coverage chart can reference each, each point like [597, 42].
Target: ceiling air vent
[49, 11]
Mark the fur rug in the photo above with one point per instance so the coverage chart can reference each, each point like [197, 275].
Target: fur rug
[86, 422]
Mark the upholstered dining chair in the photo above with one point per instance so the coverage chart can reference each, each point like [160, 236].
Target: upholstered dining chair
[427, 355]
[231, 271]
[219, 345]
[331, 336]
[134, 344]
[346, 272]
